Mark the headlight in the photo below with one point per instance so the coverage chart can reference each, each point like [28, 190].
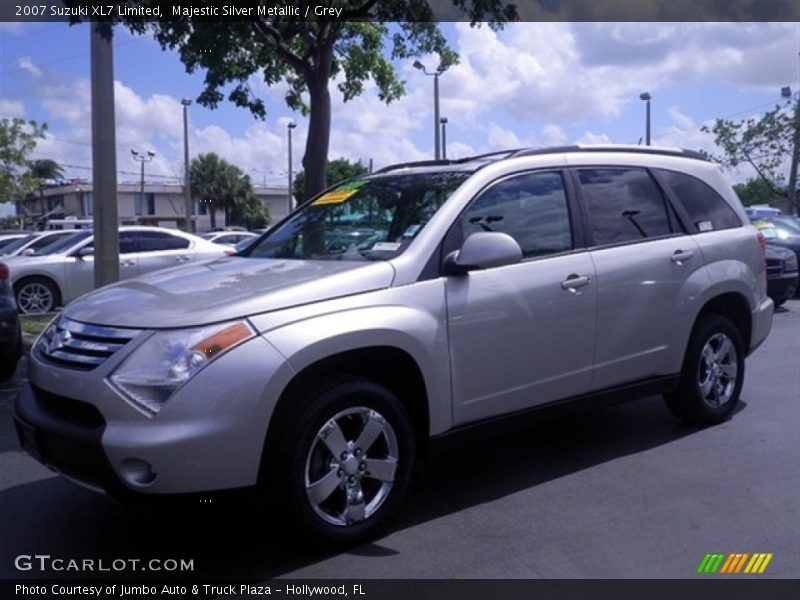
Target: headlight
[168, 359]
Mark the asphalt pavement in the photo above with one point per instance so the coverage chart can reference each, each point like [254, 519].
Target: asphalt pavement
[621, 492]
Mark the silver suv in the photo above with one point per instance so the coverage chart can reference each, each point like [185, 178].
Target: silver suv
[396, 313]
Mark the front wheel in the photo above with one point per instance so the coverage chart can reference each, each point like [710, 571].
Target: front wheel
[344, 464]
[36, 296]
[712, 375]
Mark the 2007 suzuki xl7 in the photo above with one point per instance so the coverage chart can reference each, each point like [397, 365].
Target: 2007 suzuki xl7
[396, 310]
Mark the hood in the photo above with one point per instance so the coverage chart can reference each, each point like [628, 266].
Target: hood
[223, 289]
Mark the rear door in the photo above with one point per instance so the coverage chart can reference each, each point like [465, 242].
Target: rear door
[644, 261]
[80, 271]
[160, 250]
[521, 335]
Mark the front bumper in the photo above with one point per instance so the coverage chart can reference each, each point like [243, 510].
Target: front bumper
[782, 286]
[209, 436]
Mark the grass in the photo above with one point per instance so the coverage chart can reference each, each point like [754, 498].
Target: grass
[35, 324]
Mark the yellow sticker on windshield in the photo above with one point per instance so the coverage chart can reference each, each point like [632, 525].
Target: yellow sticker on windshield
[335, 197]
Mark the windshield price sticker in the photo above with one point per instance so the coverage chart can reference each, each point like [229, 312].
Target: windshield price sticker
[340, 194]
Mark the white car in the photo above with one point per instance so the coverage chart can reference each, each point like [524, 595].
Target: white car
[228, 238]
[65, 270]
[31, 243]
[7, 238]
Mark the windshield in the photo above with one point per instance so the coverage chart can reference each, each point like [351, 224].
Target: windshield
[63, 244]
[16, 244]
[8, 241]
[366, 219]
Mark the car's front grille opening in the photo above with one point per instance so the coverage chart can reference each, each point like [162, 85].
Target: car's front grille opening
[67, 410]
[81, 346]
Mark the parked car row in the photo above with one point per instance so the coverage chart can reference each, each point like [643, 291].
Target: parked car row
[782, 234]
[59, 272]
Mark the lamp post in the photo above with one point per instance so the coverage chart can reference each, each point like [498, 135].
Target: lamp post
[141, 158]
[646, 97]
[187, 192]
[289, 126]
[435, 75]
[443, 121]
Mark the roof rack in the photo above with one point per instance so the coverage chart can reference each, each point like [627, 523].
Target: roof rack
[613, 148]
[500, 154]
[445, 162]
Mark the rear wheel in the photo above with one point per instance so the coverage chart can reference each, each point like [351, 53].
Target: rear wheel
[342, 466]
[712, 375]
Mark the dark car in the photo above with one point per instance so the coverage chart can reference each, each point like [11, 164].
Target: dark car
[782, 275]
[779, 234]
[10, 333]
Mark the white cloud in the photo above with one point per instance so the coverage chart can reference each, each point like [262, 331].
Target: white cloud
[589, 137]
[11, 109]
[554, 135]
[11, 27]
[26, 64]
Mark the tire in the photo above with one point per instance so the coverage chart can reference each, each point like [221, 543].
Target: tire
[334, 491]
[36, 295]
[712, 375]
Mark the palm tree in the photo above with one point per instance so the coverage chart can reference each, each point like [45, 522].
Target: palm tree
[208, 177]
[42, 169]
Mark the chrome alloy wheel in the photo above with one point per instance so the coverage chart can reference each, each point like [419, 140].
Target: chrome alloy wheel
[351, 466]
[716, 374]
[35, 298]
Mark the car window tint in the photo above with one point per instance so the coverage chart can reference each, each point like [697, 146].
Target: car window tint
[623, 205]
[127, 242]
[153, 241]
[531, 208]
[707, 210]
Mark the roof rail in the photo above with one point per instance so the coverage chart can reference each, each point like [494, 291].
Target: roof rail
[613, 148]
[446, 161]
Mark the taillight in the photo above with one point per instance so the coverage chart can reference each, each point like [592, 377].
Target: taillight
[5, 273]
[763, 242]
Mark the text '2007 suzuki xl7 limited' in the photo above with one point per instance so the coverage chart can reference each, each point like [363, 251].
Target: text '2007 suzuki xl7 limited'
[398, 310]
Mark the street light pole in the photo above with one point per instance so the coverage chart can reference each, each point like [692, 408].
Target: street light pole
[289, 126]
[443, 121]
[437, 144]
[187, 192]
[646, 97]
[141, 158]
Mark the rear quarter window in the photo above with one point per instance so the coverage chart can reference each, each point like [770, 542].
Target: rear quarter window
[707, 210]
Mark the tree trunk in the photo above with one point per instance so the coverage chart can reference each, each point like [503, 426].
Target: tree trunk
[212, 213]
[318, 140]
[791, 187]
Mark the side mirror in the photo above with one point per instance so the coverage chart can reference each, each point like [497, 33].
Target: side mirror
[28, 252]
[83, 252]
[483, 250]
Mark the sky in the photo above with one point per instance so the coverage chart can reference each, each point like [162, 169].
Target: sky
[532, 84]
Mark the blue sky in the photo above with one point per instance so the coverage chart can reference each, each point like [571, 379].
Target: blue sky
[532, 84]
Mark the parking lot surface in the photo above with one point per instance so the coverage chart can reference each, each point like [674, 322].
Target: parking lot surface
[621, 492]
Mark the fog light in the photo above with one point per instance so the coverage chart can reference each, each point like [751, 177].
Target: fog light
[137, 472]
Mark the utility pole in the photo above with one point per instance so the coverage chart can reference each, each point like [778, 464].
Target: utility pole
[443, 121]
[187, 191]
[142, 158]
[104, 157]
[646, 97]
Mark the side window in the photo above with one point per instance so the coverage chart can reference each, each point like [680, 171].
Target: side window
[707, 210]
[153, 241]
[623, 205]
[127, 242]
[531, 208]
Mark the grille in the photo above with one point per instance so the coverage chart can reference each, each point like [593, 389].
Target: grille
[81, 346]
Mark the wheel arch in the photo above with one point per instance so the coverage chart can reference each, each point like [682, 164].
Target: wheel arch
[387, 365]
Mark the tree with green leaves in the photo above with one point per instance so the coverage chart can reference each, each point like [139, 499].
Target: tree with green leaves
[770, 144]
[18, 139]
[335, 171]
[42, 170]
[756, 191]
[219, 185]
[357, 46]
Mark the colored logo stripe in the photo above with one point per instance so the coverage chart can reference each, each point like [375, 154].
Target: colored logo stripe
[735, 562]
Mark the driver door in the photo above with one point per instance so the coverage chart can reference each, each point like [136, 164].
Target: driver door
[80, 270]
[524, 334]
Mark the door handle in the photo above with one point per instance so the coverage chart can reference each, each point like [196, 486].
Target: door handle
[679, 257]
[575, 281]
[127, 263]
[183, 259]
